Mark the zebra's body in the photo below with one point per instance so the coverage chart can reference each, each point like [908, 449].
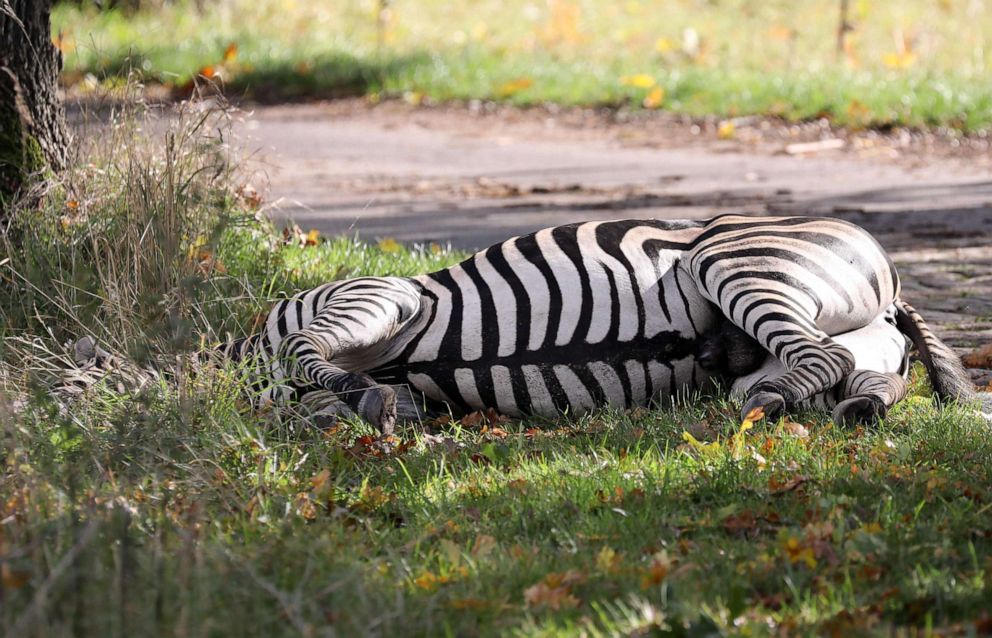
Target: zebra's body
[576, 316]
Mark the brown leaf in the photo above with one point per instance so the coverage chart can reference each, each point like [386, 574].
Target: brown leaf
[483, 546]
[13, 578]
[740, 524]
[777, 486]
[555, 590]
[979, 357]
[555, 598]
[472, 419]
[797, 430]
[321, 484]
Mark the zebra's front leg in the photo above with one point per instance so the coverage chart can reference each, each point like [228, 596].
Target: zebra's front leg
[306, 358]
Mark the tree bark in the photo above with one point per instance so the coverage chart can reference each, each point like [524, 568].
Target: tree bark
[33, 131]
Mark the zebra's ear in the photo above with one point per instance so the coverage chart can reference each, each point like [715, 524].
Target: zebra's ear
[87, 350]
[84, 350]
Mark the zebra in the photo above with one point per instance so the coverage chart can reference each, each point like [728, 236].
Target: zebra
[622, 313]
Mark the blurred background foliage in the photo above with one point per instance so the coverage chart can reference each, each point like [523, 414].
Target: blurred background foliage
[860, 63]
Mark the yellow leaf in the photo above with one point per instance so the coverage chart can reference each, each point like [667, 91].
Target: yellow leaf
[231, 52]
[664, 45]
[781, 32]
[427, 581]
[755, 414]
[389, 245]
[858, 113]
[640, 80]
[796, 552]
[414, 98]
[654, 99]
[726, 130]
[607, 560]
[705, 450]
[899, 60]
[514, 86]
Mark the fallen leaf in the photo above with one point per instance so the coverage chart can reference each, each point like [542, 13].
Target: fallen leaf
[795, 429]
[13, 578]
[640, 80]
[554, 598]
[483, 546]
[756, 414]
[428, 581]
[655, 98]
[726, 130]
[740, 524]
[608, 560]
[979, 357]
[777, 486]
[555, 590]
[305, 506]
[320, 483]
[514, 86]
[230, 52]
[655, 573]
[796, 552]
[664, 45]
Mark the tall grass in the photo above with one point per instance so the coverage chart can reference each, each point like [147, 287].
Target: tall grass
[154, 244]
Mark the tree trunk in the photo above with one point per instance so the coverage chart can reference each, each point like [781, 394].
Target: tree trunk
[33, 132]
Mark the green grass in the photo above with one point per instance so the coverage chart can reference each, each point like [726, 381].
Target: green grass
[916, 63]
[177, 511]
[182, 514]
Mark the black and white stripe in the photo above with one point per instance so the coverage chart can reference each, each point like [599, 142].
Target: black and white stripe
[578, 316]
[575, 317]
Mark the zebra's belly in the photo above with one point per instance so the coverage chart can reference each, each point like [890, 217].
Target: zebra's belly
[572, 379]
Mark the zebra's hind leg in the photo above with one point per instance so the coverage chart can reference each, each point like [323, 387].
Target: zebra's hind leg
[813, 363]
[866, 396]
[866, 393]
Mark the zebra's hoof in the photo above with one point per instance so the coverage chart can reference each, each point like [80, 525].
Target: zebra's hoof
[863, 410]
[772, 404]
[378, 407]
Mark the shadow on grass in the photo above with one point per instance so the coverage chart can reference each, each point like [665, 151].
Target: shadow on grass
[329, 76]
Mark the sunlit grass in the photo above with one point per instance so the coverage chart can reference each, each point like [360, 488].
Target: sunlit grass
[183, 508]
[913, 63]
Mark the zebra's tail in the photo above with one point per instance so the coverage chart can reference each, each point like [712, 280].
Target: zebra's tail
[948, 377]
